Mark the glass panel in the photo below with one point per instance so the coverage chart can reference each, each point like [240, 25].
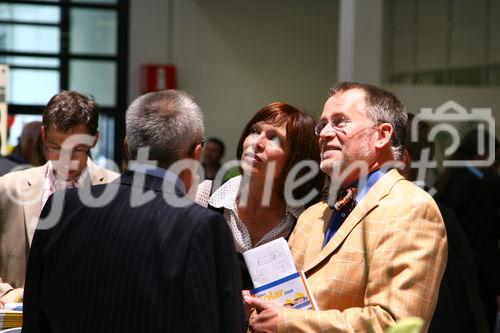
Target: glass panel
[472, 76]
[97, 78]
[31, 86]
[468, 10]
[403, 53]
[96, 1]
[403, 14]
[432, 77]
[495, 8]
[495, 75]
[30, 61]
[431, 49]
[467, 45]
[495, 40]
[103, 152]
[432, 13]
[30, 13]
[17, 126]
[93, 31]
[405, 78]
[26, 38]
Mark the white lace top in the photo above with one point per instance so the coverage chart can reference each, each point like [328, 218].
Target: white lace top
[225, 196]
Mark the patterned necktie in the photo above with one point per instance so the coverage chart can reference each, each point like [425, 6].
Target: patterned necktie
[345, 197]
[342, 207]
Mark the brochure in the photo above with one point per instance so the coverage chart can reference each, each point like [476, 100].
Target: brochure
[269, 262]
[291, 291]
[275, 276]
[11, 316]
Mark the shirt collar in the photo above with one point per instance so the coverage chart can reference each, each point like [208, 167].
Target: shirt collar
[226, 195]
[371, 179]
[475, 171]
[159, 172]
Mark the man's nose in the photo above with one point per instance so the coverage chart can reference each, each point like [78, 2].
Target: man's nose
[327, 132]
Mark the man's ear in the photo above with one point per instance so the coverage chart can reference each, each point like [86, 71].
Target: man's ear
[196, 154]
[383, 135]
[96, 138]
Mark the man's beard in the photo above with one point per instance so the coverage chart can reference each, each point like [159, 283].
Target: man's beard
[363, 154]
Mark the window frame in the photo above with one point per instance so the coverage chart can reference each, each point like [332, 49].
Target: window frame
[64, 56]
[411, 77]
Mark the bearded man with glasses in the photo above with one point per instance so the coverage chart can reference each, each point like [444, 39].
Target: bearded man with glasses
[375, 249]
[69, 115]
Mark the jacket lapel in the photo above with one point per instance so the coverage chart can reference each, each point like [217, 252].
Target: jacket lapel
[317, 234]
[32, 194]
[379, 190]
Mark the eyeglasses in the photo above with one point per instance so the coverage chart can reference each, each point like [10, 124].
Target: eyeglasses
[337, 123]
[339, 126]
[203, 141]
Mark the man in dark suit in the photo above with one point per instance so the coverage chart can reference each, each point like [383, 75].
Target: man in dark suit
[137, 255]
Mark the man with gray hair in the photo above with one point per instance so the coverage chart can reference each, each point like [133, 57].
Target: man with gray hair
[374, 252]
[142, 257]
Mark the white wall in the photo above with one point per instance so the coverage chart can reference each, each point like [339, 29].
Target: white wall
[148, 39]
[236, 56]
[360, 34]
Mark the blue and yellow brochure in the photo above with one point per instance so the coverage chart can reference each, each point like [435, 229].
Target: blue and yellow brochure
[290, 291]
[11, 316]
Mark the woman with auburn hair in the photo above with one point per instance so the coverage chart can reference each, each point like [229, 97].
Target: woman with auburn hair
[276, 138]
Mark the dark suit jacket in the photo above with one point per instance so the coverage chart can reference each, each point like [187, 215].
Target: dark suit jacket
[459, 307]
[473, 200]
[117, 268]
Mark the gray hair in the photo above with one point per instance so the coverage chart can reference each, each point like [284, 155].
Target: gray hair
[169, 122]
[384, 107]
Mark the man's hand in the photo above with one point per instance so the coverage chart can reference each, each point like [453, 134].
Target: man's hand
[265, 319]
[13, 296]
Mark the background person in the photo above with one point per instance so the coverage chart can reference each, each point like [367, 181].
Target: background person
[23, 193]
[459, 308]
[212, 157]
[281, 134]
[472, 193]
[23, 151]
[127, 266]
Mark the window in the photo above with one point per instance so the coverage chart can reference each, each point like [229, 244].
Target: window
[52, 45]
[443, 42]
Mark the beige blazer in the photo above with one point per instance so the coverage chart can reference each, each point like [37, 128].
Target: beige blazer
[21, 195]
[384, 263]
